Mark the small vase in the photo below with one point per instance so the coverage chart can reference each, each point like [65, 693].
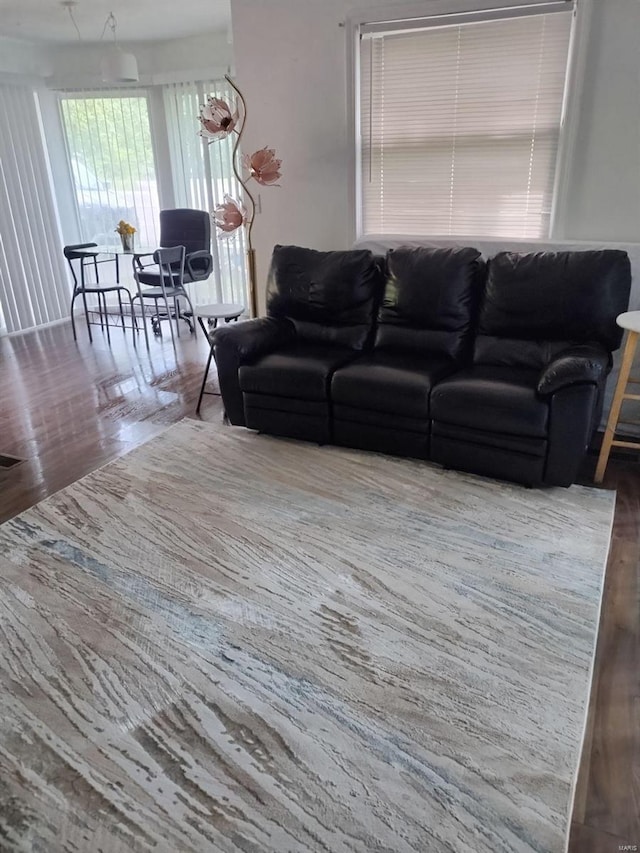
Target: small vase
[127, 242]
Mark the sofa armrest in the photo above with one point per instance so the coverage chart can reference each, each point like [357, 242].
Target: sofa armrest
[242, 343]
[585, 363]
[253, 338]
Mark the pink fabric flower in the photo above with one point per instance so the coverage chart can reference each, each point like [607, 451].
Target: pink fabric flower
[264, 166]
[217, 119]
[229, 215]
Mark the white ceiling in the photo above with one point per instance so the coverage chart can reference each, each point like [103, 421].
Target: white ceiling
[138, 20]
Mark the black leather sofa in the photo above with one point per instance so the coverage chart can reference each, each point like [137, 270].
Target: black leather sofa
[497, 368]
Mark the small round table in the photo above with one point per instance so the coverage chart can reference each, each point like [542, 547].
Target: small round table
[631, 322]
[212, 313]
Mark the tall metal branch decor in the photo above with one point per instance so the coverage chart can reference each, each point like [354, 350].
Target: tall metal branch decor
[218, 120]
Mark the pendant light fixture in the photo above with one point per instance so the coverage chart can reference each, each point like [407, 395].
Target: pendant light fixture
[117, 65]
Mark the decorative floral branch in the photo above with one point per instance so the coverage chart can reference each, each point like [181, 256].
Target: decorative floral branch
[218, 120]
[229, 216]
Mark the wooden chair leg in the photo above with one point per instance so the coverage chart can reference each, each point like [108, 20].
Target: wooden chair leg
[616, 405]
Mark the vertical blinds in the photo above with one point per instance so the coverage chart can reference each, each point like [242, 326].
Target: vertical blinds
[108, 138]
[202, 175]
[34, 288]
[460, 126]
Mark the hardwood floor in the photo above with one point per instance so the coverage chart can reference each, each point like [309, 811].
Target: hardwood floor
[607, 807]
[67, 408]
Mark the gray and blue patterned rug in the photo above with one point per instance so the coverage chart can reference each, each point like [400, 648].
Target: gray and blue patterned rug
[227, 642]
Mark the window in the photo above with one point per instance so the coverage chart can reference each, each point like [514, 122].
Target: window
[202, 175]
[460, 123]
[111, 138]
[33, 280]
[112, 165]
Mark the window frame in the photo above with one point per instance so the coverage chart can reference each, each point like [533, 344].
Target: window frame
[220, 286]
[105, 93]
[413, 13]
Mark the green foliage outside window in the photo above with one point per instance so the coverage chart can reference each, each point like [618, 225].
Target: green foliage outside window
[109, 141]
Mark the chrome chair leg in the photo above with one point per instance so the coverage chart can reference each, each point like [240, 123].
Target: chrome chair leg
[134, 319]
[73, 322]
[166, 303]
[192, 325]
[124, 331]
[144, 319]
[100, 312]
[156, 324]
[106, 316]
[86, 316]
[176, 313]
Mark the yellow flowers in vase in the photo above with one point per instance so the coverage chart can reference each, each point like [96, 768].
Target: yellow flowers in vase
[126, 232]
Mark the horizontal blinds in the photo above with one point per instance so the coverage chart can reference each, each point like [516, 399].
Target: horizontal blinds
[439, 19]
[202, 175]
[460, 126]
[34, 287]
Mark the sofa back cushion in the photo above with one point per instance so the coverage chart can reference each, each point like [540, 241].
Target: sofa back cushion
[537, 304]
[330, 297]
[430, 300]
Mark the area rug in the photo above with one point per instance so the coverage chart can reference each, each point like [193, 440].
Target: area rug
[228, 642]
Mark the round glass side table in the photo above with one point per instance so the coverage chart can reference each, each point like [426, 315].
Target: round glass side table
[213, 313]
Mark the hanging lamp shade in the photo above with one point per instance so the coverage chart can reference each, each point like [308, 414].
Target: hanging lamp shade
[118, 66]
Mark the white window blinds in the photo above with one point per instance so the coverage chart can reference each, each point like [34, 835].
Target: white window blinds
[460, 126]
[34, 288]
[112, 166]
[203, 174]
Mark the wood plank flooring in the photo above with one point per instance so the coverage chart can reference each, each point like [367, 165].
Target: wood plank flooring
[67, 408]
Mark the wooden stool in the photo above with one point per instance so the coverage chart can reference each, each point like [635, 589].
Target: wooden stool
[631, 322]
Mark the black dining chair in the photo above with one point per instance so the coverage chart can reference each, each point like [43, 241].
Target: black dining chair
[81, 288]
[170, 286]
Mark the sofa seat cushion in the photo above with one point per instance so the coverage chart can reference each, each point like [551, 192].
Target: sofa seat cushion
[482, 440]
[493, 399]
[394, 382]
[303, 372]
